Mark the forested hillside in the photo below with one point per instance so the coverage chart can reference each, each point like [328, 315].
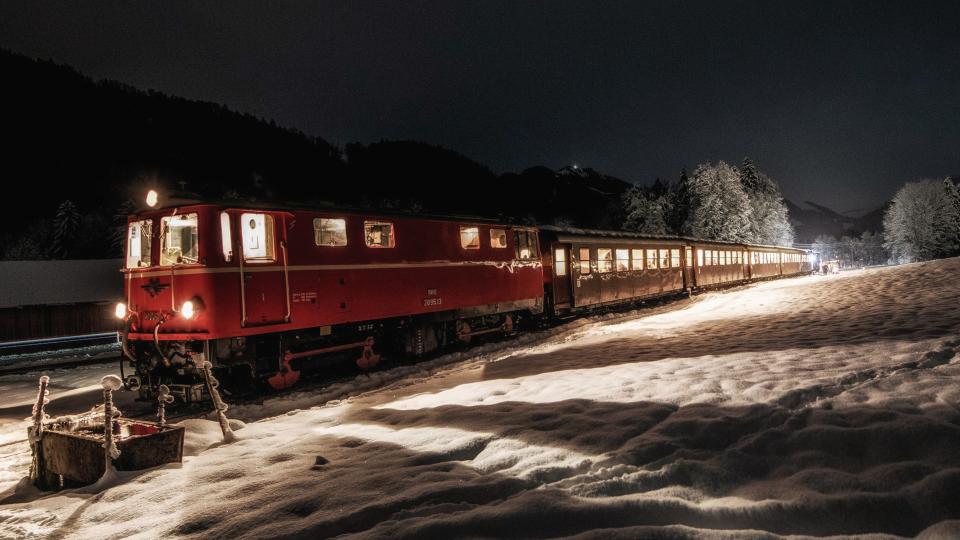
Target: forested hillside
[100, 144]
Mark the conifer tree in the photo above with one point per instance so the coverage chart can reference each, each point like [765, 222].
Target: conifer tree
[65, 227]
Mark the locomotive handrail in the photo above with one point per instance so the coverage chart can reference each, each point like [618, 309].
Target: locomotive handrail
[243, 287]
[286, 279]
[173, 290]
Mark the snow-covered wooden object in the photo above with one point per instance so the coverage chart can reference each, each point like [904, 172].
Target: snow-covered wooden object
[218, 404]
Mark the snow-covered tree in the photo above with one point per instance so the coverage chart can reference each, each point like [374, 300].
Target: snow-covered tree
[826, 246]
[923, 222]
[647, 210]
[719, 207]
[65, 227]
[679, 203]
[768, 214]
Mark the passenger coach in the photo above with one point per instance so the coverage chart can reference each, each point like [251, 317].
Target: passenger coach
[586, 269]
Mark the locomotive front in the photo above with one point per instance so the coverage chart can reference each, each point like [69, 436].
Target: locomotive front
[170, 285]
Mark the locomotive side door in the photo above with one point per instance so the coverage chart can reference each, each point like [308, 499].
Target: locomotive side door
[264, 285]
[561, 275]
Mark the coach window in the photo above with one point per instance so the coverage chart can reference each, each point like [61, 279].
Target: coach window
[604, 260]
[623, 260]
[470, 237]
[178, 240]
[257, 233]
[138, 243]
[688, 256]
[560, 262]
[526, 244]
[664, 258]
[330, 231]
[584, 261]
[498, 238]
[652, 259]
[637, 256]
[226, 239]
[699, 257]
[378, 234]
[675, 258]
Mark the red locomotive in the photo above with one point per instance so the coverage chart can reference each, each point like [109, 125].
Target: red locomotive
[265, 294]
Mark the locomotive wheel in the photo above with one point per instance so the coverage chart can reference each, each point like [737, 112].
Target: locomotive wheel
[464, 332]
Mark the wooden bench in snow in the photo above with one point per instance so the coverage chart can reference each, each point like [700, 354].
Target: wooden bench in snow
[78, 455]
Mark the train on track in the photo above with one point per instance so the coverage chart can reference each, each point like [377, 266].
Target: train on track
[266, 294]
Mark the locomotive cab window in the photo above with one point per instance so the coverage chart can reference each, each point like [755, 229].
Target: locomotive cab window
[498, 238]
[226, 240]
[330, 232]
[138, 243]
[257, 234]
[526, 244]
[470, 237]
[378, 234]
[178, 240]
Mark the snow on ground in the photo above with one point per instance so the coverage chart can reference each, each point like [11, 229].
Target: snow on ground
[824, 405]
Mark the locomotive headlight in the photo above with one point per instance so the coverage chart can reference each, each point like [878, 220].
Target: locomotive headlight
[120, 311]
[152, 198]
[188, 310]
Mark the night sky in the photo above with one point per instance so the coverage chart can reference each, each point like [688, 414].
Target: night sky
[841, 102]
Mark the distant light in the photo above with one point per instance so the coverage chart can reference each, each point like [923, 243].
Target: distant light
[187, 310]
[120, 311]
[152, 198]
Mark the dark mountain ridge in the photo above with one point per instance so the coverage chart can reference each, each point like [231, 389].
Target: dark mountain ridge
[814, 219]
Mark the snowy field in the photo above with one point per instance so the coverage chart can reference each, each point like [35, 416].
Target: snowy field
[823, 405]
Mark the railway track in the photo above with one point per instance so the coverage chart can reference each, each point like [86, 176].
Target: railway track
[58, 352]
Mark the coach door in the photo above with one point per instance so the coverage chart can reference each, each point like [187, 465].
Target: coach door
[561, 275]
[688, 273]
[585, 280]
[264, 281]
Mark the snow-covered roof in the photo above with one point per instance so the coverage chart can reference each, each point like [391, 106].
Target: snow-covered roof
[35, 283]
[578, 232]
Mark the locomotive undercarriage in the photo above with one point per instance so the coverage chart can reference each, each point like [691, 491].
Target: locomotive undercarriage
[252, 364]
